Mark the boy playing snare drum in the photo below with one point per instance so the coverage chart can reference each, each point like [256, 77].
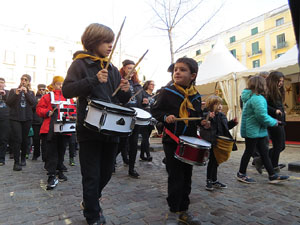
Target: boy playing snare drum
[179, 100]
[219, 128]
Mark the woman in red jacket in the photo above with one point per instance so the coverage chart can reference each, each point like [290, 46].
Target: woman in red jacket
[49, 107]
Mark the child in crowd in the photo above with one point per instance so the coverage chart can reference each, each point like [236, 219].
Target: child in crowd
[219, 127]
[179, 100]
[255, 120]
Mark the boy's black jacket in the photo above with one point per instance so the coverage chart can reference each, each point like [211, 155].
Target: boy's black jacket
[168, 103]
[82, 82]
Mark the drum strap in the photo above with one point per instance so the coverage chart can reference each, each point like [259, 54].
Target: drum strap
[173, 136]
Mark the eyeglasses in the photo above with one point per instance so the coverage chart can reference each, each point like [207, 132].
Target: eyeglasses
[24, 79]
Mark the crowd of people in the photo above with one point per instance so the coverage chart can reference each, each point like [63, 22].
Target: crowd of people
[91, 77]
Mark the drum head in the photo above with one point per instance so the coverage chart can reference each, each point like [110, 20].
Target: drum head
[195, 141]
[110, 106]
[142, 114]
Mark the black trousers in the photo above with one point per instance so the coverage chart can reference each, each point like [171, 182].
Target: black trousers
[56, 149]
[36, 140]
[132, 150]
[72, 145]
[20, 130]
[96, 162]
[4, 137]
[212, 167]
[179, 180]
[123, 148]
[145, 131]
[261, 145]
[277, 135]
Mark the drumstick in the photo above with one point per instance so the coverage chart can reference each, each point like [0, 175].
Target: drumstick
[130, 72]
[139, 91]
[188, 118]
[113, 49]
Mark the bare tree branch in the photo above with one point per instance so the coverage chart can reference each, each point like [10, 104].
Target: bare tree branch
[174, 19]
[210, 18]
[164, 22]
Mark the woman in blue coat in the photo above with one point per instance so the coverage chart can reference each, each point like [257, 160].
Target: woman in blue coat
[255, 121]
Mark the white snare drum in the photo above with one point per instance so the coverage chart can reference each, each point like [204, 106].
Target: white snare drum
[108, 118]
[67, 127]
[142, 117]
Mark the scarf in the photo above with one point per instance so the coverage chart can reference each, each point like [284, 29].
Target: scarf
[186, 104]
[92, 57]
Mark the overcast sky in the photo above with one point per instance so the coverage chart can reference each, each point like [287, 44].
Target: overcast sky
[68, 18]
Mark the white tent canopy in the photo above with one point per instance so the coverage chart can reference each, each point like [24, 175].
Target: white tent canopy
[218, 62]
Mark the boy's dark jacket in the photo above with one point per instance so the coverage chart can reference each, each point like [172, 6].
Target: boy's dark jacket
[220, 126]
[168, 103]
[82, 82]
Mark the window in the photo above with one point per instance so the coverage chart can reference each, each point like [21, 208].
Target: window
[199, 63]
[198, 52]
[256, 63]
[255, 48]
[9, 74]
[232, 39]
[51, 62]
[281, 41]
[280, 21]
[254, 31]
[212, 46]
[30, 60]
[233, 52]
[9, 57]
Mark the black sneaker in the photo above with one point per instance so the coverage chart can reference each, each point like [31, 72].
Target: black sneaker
[218, 184]
[52, 182]
[149, 159]
[64, 168]
[133, 174]
[209, 185]
[277, 178]
[17, 167]
[62, 177]
[102, 219]
[187, 218]
[142, 158]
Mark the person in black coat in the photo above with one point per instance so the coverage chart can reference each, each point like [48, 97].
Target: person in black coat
[4, 121]
[220, 126]
[87, 79]
[21, 102]
[36, 126]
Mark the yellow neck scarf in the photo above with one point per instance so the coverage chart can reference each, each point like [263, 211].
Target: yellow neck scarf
[186, 104]
[92, 57]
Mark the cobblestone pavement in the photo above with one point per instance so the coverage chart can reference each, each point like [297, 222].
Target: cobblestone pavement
[24, 200]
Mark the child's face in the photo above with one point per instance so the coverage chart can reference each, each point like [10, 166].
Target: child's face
[57, 86]
[182, 74]
[219, 108]
[104, 49]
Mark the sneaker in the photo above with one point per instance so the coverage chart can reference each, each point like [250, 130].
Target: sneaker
[171, 218]
[64, 168]
[52, 182]
[23, 162]
[142, 158]
[244, 178]
[102, 219]
[209, 186]
[277, 178]
[218, 184]
[149, 159]
[62, 177]
[258, 164]
[2, 163]
[188, 218]
[17, 167]
[72, 162]
[133, 174]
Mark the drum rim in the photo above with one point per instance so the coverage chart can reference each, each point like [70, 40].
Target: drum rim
[192, 144]
[139, 118]
[190, 162]
[225, 139]
[129, 112]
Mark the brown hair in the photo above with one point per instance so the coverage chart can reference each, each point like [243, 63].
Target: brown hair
[257, 85]
[135, 78]
[146, 84]
[273, 92]
[96, 34]
[211, 101]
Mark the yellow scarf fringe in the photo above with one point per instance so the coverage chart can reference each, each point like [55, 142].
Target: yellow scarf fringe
[92, 57]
